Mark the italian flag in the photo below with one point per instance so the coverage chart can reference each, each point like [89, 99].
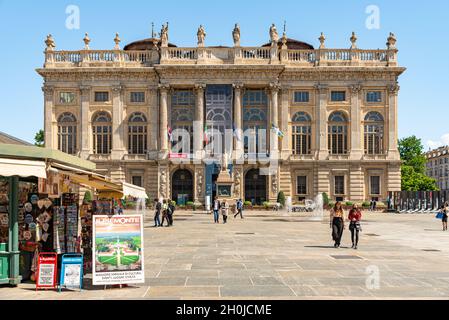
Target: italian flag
[205, 138]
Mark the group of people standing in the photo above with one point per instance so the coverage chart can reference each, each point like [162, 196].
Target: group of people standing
[167, 209]
[337, 223]
[223, 207]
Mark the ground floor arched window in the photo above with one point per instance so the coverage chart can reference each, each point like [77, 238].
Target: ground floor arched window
[255, 187]
[182, 186]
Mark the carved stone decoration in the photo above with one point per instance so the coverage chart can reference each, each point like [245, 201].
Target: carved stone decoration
[86, 41]
[353, 41]
[237, 182]
[48, 91]
[322, 39]
[355, 89]
[236, 35]
[284, 41]
[274, 185]
[199, 183]
[322, 89]
[393, 89]
[201, 34]
[164, 35]
[391, 41]
[117, 41]
[50, 43]
[163, 183]
[274, 36]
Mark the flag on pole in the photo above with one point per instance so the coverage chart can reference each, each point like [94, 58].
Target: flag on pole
[170, 134]
[206, 138]
[236, 132]
[277, 130]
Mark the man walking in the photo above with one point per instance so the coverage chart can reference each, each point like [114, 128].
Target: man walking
[216, 208]
[239, 206]
[157, 213]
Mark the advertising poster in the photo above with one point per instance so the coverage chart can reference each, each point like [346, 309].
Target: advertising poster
[118, 250]
[46, 270]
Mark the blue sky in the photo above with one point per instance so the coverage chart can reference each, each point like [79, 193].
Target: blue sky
[421, 29]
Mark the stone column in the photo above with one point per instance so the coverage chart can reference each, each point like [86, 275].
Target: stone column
[238, 146]
[285, 116]
[274, 141]
[152, 118]
[86, 131]
[322, 151]
[163, 120]
[49, 117]
[356, 124]
[198, 127]
[393, 153]
[118, 146]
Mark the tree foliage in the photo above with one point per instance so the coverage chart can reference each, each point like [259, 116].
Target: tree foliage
[39, 139]
[414, 166]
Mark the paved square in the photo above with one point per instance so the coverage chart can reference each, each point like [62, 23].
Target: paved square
[282, 256]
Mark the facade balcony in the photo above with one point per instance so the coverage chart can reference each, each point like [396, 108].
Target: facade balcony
[99, 157]
[221, 56]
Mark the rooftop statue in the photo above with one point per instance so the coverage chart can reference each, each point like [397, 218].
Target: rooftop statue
[274, 36]
[201, 36]
[236, 35]
[164, 35]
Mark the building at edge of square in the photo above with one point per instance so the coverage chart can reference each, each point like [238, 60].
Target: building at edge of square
[336, 108]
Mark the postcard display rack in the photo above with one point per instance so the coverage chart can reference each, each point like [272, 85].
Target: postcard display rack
[65, 224]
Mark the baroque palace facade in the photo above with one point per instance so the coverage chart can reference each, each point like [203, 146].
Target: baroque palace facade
[335, 111]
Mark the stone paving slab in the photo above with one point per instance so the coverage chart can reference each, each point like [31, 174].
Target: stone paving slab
[281, 256]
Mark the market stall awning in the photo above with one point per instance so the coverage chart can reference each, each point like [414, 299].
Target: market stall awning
[22, 168]
[134, 191]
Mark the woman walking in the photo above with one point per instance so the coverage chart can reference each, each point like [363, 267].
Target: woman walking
[337, 223]
[355, 215]
[216, 210]
[225, 211]
[157, 213]
[444, 210]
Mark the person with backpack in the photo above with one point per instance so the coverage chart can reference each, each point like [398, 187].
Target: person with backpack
[171, 211]
[239, 206]
[157, 213]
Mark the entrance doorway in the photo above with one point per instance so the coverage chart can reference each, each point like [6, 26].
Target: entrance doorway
[255, 187]
[182, 187]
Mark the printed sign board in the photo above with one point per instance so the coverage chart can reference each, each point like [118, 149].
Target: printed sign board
[71, 271]
[118, 250]
[47, 265]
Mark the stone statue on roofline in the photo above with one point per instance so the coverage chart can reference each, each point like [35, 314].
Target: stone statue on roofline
[201, 36]
[274, 36]
[236, 35]
[164, 35]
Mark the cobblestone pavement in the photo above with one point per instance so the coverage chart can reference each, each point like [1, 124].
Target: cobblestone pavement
[272, 255]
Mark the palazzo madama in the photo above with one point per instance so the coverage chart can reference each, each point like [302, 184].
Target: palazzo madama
[327, 116]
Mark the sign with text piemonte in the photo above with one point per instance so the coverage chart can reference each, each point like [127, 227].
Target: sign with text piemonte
[118, 250]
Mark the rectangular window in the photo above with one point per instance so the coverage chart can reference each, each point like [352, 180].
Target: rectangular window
[301, 185]
[302, 96]
[66, 97]
[339, 185]
[101, 96]
[375, 185]
[137, 97]
[374, 96]
[338, 96]
[137, 181]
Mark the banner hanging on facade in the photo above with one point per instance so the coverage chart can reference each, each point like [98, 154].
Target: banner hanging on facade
[118, 250]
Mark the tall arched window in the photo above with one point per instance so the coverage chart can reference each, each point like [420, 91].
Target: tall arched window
[182, 117]
[374, 133]
[67, 133]
[338, 133]
[255, 115]
[137, 133]
[102, 132]
[301, 133]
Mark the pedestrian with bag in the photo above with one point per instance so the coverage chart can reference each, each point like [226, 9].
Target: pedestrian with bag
[337, 223]
[164, 213]
[216, 209]
[171, 211]
[443, 213]
[225, 211]
[354, 217]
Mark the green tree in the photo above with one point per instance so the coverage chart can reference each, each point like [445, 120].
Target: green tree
[39, 139]
[414, 166]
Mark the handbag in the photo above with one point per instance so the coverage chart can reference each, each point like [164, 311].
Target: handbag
[440, 215]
